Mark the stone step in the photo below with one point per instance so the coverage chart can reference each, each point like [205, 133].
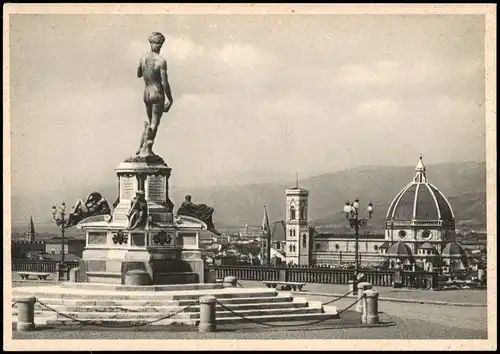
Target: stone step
[243, 300]
[167, 309]
[135, 322]
[280, 319]
[228, 294]
[118, 287]
[119, 322]
[186, 315]
[153, 295]
[262, 312]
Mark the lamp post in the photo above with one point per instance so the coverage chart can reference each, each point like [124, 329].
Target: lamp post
[351, 210]
[62, 221]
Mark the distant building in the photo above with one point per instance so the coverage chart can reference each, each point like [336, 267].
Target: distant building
[297, 245]
[251, 232]
[31, 234]
[21, 249]
[71, 246]
[421, 218]
[420, 230]
[278, 236]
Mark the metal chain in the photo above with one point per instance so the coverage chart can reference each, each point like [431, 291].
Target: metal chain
[389, 316]
[351, 305]
[284, 325]
[336, 299]
[115, 325]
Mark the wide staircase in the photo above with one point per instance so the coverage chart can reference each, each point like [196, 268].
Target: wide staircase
[106, 306]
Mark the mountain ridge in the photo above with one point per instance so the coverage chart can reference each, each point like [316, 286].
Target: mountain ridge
[463, 183]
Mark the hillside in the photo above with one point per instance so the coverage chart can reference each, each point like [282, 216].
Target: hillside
[463, 183]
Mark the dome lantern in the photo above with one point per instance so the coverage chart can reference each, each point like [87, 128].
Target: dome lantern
[420, 176]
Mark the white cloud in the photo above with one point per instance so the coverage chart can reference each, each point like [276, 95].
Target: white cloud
[242, 55]
[378, 108]
[405, 72]
[183, 48]
[387, 73]
[446, 105]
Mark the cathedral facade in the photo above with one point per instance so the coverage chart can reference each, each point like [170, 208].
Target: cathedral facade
[419, 230]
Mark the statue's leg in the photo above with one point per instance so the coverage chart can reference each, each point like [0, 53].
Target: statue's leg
[145, 133]
[155, 120]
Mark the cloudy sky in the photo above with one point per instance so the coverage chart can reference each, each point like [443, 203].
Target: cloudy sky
[287, 93]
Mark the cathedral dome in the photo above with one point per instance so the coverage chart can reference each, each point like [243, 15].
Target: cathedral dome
[453, 249]
[399, 249]
[420, 201]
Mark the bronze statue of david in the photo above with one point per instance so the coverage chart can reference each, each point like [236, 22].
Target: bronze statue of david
[157, 94]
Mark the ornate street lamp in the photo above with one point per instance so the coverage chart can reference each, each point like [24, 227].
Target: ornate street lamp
[62, 221]
[351, 210]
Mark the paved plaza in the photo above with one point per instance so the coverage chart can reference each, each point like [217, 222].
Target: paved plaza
[467, 296]
[400, 320]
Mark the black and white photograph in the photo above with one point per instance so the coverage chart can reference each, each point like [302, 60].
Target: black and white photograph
[215, 176]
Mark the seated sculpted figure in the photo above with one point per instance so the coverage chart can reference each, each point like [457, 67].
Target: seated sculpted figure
[138, 213]
[95, 204]
[199, 211]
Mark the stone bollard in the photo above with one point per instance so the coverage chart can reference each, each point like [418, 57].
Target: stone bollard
[207, 314]
[230, 282]
[370, 308]
[26, 314]
[61, 272]
[137, 277]
[210, 276]
[361, 289]
[353, 286]
[74, 275]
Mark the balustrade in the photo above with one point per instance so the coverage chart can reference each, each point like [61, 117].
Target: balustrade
[321, 275]
[314, 274]
[34, 265]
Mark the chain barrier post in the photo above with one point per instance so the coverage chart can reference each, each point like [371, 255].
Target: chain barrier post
[361, 288]
[370, 308]
[229, 282]
[74, 275]
[207, 314]
[26, 314]
[353, 286]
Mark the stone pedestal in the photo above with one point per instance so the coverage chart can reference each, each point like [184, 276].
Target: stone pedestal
[152, 179]
[166, 248]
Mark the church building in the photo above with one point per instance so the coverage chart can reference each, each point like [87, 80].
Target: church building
[419, 229]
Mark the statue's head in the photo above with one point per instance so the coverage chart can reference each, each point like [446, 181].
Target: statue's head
[188, 198]
[140, 195]
[156, 40]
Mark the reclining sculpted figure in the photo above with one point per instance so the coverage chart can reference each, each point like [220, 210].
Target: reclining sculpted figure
[94, 204]
[198, 211]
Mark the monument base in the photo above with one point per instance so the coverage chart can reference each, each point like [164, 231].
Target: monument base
[163, 267]
[161, 250]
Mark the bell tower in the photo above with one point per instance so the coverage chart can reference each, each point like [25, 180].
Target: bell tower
[297, 228]
[31, 234]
